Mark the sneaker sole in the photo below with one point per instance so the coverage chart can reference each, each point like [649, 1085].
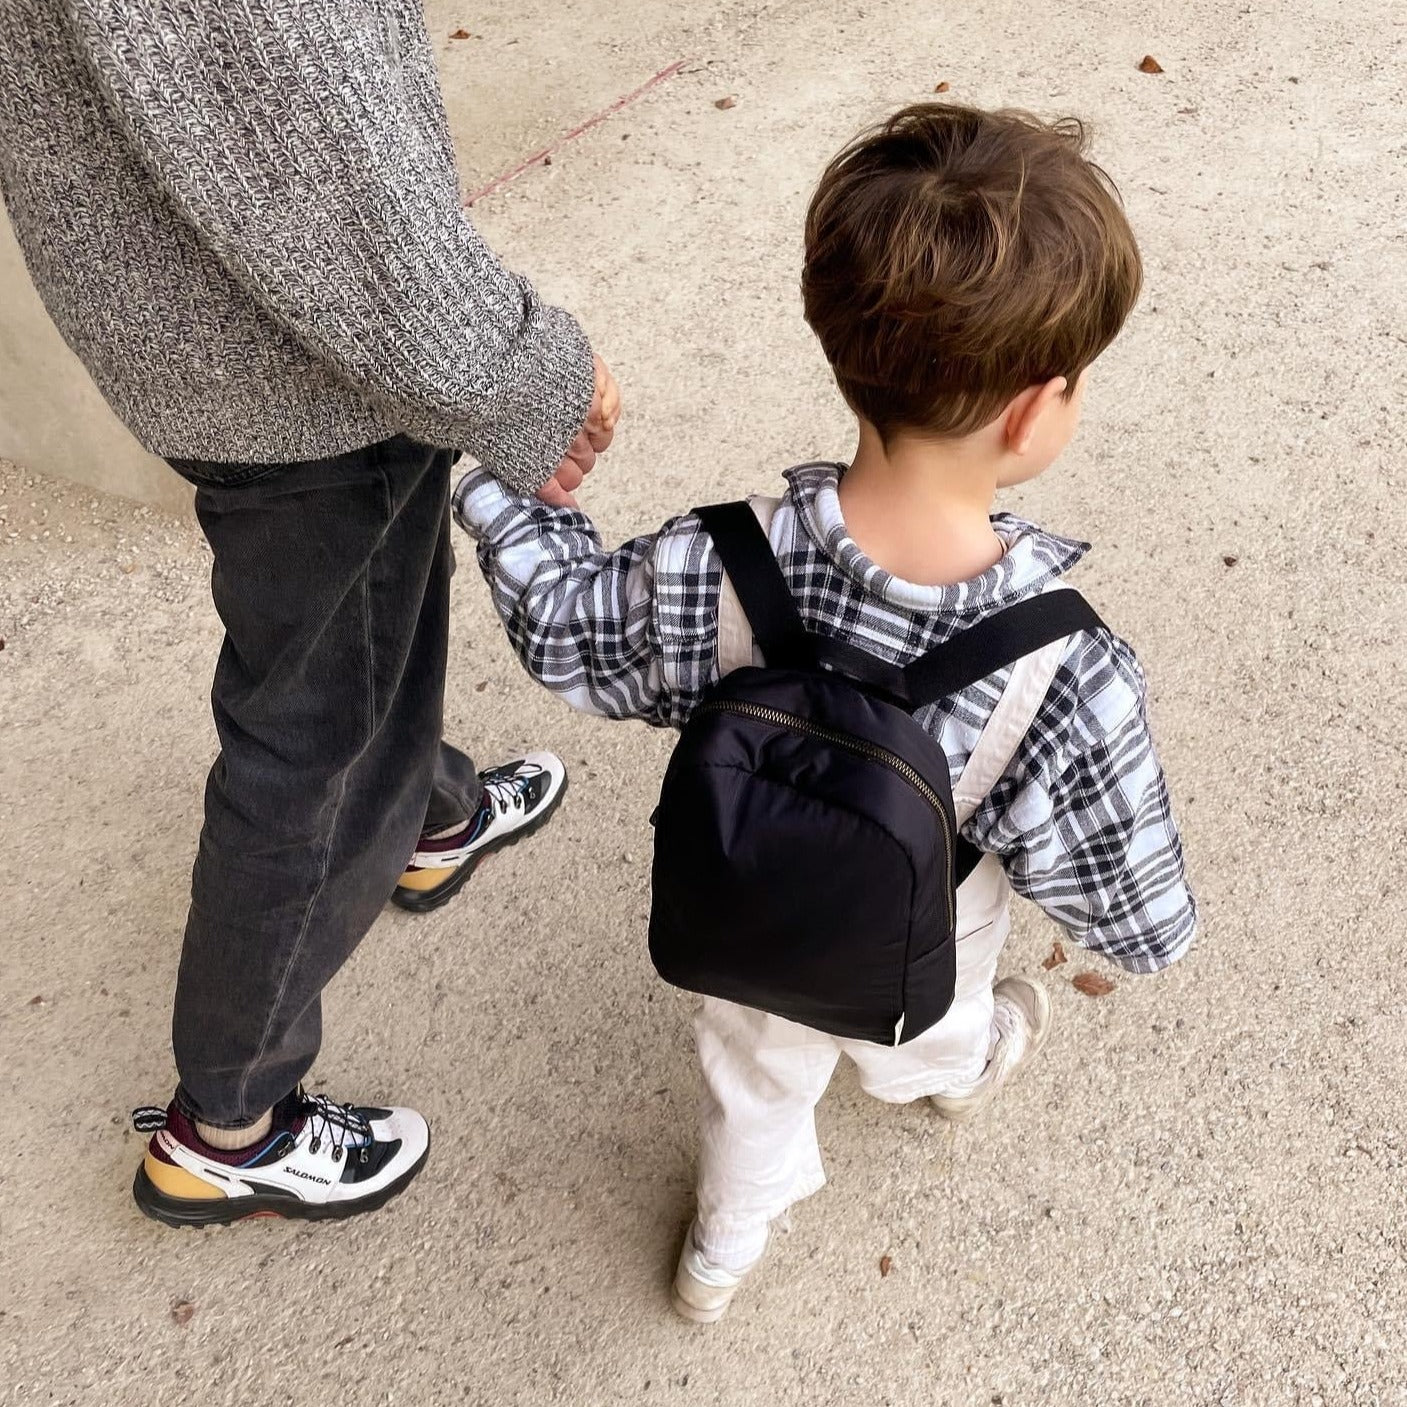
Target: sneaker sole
[417, 901]
[694, 1315]
[222, 1211]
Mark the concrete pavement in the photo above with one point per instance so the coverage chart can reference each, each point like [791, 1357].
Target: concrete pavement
[1196, 1196]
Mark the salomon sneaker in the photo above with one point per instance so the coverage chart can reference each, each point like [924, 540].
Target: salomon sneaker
[519, 797]
[1021, 1014]
[320, 1160]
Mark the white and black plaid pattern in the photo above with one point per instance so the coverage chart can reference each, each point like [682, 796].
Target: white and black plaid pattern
[1080, 818]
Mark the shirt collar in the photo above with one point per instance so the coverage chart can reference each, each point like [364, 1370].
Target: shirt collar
[1033, 557]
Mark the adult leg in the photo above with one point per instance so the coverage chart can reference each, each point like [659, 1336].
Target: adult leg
[515, 799]
[332, 580]
[470, 815]
[455, 791]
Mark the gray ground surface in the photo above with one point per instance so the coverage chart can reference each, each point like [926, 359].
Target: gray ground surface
[1196, 1196]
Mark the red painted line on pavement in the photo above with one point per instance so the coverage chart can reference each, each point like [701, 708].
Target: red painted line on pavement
[538, 157]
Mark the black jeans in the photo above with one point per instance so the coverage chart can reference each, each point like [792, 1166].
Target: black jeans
[332, 580]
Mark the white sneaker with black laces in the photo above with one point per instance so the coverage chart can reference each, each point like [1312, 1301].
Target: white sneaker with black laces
[320, 1160]
[519, 797]
[1022, 1018]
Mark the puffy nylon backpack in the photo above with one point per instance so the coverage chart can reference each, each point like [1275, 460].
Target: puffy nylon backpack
[806, 853]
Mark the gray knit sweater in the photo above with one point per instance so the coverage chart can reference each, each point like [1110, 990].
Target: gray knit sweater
[244, 217]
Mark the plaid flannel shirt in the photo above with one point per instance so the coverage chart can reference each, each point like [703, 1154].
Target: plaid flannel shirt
[1080, 819]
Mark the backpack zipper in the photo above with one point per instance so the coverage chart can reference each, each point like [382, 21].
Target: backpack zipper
[871, 751]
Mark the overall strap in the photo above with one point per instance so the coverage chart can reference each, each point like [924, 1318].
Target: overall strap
[1026, 689]
[756, 578]
[1035, 645]
[996, 642]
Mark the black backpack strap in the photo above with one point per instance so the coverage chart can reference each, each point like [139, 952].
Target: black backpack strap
[996, 642]
[966, 858]
[988, 646]
[757, 577]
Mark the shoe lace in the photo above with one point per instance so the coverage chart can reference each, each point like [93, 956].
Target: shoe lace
[506, 791]
[337, 1124]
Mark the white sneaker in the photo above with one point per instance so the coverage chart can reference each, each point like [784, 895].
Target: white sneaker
[1022, 1017]
[320, 1160]
[702, 1292]
[519, 797]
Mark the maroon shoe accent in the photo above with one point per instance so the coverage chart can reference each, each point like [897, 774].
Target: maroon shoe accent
[287, 1118]
[462, 835]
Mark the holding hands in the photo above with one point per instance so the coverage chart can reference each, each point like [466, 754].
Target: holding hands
[592, 439]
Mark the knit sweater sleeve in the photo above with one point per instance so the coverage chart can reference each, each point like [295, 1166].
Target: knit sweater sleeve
[305, 141]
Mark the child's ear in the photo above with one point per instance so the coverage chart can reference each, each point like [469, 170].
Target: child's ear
[1024, 413]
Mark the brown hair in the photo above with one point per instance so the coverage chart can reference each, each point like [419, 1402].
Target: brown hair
[955, 257]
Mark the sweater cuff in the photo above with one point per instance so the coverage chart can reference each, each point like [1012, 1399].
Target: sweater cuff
[522, 432]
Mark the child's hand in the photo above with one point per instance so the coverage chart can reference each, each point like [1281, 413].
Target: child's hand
[593, 438]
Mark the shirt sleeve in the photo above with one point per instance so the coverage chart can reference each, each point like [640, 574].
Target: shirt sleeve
[587, 622]
[1091, 839]
[306, 144]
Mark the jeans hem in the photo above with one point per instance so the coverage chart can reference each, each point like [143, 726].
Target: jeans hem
[187, 1106]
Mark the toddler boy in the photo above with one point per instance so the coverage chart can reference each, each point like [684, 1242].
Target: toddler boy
[963, 271]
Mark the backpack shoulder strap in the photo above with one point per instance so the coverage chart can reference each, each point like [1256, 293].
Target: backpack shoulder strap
[996, 642]
[736, 647]
[755, 601]
[1010, 721]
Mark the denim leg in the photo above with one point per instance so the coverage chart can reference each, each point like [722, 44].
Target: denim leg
[457, 790]
[332, 580]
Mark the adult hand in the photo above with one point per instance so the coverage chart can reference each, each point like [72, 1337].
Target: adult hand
[576, 464]
[592, 439]
[601, 419]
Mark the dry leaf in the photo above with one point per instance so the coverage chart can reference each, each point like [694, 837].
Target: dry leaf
[723, 104]
[1230, 561]
[182, 1311]
[886, 1264]
[943, 87]
[1057, 956]
[461, 34]
[479, 688]
[1092, 984]
[1150, 65]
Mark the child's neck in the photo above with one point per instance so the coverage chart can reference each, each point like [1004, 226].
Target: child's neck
[921, 509]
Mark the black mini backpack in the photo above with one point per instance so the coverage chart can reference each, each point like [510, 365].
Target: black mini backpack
[806, 856]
